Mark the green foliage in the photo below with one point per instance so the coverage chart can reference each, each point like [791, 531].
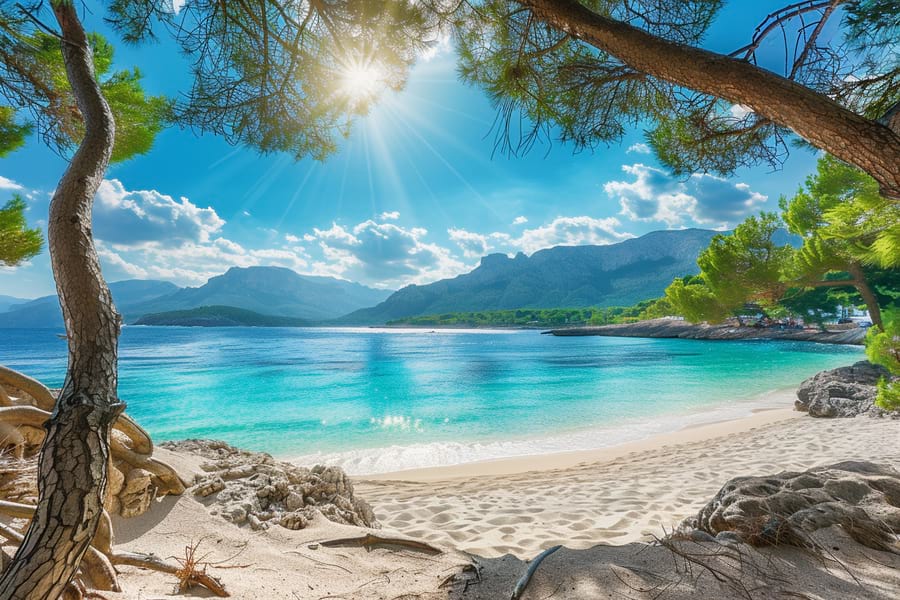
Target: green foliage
[541, 317]
[12, 134]
[692, 299]
[278, 75]
[842, 217]
[746, 266]
[578, 92]
[17, 242]
[883, 348]
[139, 117]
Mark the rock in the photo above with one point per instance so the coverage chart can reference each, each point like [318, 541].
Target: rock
[861, 497]
[293, 501]
[294, 520]
[843, 392]
[209, 487]
[253, 488]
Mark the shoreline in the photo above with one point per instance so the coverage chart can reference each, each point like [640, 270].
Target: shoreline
[442, 459]
[667, 328]
[516, 465]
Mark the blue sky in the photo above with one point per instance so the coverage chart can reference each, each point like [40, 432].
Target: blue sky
[413, 195]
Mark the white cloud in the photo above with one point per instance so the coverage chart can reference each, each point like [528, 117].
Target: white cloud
[473, 245]
[520, 220]
[440, 46]
[389, 216]
[561, 231]
[292, 238]
[638, 148]
[739, 111]
[132, 218]
[382, 253]
[9, 184]
[653, 195]
[570, 231]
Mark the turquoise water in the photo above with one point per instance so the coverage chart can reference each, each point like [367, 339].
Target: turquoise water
[379, 400]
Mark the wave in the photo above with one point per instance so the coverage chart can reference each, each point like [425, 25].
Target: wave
[371, 461]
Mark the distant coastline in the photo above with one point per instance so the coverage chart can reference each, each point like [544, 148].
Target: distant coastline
[674, 328]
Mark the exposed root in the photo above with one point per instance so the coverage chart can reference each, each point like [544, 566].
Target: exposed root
[37, 392]
[25, 406]
[370, 541]
[529, 573]
[135, 479]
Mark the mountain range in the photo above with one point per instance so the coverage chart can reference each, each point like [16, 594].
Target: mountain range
[561, 277]
[271, 291]
[619, 274]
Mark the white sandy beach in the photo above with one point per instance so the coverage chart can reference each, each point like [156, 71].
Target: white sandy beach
[521, 506]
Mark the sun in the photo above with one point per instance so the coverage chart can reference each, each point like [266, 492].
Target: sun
[361, 82]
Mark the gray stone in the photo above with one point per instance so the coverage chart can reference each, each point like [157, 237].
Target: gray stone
[252, 488]
[843, 392]
[861, 497]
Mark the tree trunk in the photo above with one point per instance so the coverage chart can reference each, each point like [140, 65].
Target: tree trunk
[72, 467]
[868, 296]
[870, 145]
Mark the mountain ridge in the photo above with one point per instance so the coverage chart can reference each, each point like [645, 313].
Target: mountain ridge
[618, 274]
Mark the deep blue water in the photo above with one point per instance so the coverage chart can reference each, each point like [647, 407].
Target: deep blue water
[383, 400]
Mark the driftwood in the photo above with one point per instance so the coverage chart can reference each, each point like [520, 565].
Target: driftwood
[370, 541]
[186, 573]
[529, 573]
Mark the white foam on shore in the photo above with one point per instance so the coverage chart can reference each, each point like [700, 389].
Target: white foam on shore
[371, 461]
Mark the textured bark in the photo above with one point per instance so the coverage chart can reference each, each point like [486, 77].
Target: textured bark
[870, 145]
[73, 463]
[868, 296]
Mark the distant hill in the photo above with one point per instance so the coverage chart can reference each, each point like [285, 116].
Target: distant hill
[45, 311]
[7, 302]
[219, 316]
[269, 291]
[562, 277]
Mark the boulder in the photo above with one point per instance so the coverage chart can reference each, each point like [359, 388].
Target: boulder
[863, 498]
[843, 392]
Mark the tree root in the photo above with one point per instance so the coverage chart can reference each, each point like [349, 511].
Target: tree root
[15, 416]
[370, 541]
[25, 406]
[529, 573]
[39, 394]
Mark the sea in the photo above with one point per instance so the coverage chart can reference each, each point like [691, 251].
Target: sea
[384, 400]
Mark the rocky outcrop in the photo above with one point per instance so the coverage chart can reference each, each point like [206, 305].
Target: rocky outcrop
[861, 497]
[675, 328]
[252, 488]
[843, 392]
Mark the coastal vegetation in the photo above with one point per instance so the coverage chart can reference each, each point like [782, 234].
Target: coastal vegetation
[219, 316]
[850, 242]
[539, 318]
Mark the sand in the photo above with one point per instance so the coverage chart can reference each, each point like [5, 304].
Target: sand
[583, 500]
[617, 495]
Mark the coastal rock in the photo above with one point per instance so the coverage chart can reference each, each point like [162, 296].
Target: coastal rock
[843, 392]
[863, 498]
[253, 488]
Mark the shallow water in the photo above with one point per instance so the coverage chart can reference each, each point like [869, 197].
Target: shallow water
[383, 400]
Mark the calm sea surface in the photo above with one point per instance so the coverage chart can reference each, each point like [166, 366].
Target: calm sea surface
[383, 400]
